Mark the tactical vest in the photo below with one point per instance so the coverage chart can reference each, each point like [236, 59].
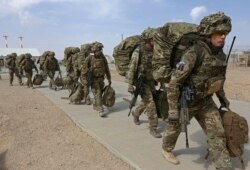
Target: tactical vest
[28, 65]
[208, 76]
[52, 64]
[98, 66]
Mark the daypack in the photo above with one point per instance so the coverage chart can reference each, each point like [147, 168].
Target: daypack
[59, 81]
[108, 96]
[170, 42]
[123, 51]
[236, 130]
[38, 79]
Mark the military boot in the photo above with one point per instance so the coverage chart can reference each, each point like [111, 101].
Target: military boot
[101, 113]
[136, 118]
[169, 156]
[154, 133]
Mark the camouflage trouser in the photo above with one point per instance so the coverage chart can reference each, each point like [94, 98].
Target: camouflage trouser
[29, 74]
[148, 104]
[84, 82]
[51, 75]
[11, 74]
[208, 116]
[97, 89]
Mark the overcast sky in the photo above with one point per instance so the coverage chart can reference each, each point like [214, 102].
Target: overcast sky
[56, 24]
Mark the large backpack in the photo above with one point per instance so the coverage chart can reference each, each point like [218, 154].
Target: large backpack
[38, 79]
[7, 61]
[28, 65]
[77, 94]
[108, 97]
[236, 131]
[123, 51]
[170, 42]
[43, 58]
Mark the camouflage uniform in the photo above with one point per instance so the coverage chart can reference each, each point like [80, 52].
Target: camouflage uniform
[27, 65]
[50, 67]
[13, 69]
[98, 65]
[18, 63]
[201, 65]
[141, 63]
[71, 72]
[82, 55]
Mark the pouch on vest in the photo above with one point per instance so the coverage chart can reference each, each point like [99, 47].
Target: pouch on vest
[213, 85]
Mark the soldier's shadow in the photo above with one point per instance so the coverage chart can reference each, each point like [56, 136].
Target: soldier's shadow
[200, 138]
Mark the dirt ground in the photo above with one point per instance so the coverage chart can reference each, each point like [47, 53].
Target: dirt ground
[36, 135]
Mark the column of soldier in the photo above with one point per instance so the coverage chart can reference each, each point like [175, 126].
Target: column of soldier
[184, 61]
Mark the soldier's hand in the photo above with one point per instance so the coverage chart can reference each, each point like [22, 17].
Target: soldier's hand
[173, 116]
[131, 88]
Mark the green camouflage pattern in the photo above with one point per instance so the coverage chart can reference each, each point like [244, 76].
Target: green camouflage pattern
[165, 39]
[217, 22]
[144, 67]
[123, 51]
[199, 66]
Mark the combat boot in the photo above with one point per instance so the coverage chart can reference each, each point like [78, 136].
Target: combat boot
[154, 133]
[136, 118]
[101, 113]
[169, 156]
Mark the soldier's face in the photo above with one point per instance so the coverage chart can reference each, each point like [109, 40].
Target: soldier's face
[218, 39]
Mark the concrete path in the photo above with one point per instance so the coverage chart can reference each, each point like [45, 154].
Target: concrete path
[133, 143]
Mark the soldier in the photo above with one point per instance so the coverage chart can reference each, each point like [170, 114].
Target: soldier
[82, 55]
[18, 62]
[11, 65]
[70, 64]
[141, 63]
[97, 67]
[51, 65]
[202, 66]
[27, 65]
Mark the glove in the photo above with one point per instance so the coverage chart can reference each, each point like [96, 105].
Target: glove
[173, 115]
[131, 88]
[109, 82]
[224, 102]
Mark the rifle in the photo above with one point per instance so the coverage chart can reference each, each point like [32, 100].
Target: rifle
[187, 94]
[90, 77]
[139, 89]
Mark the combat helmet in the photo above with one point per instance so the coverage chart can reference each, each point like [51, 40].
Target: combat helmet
[14, 55]
[148, 33]
[28, 56]
[97, 46]
[51, 53]
[217, 22]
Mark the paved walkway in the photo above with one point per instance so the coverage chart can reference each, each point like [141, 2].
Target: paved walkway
[133, 143]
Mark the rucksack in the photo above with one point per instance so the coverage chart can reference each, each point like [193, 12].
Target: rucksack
[236, 131]
[108, 96]
[7, 61]
[59, 81]
[123, 51]
[170, 42]
[43, 58]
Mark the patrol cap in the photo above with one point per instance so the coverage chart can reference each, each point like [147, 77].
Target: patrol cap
[217, 22]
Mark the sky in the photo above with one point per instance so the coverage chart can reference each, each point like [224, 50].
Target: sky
[56, 24]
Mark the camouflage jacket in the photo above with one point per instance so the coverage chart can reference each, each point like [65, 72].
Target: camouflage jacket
[51, 64]
[98, 65]
[141, 62]
[202, 68]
